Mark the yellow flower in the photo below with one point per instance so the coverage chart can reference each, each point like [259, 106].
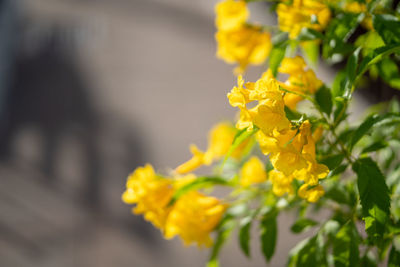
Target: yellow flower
[318, 133]
[198, 159]
[281, 183]
[252, 172]
[220, 141]
[274, 143]
[301, 80]
[193, 217]
[269, 114]
[151, 194]
[239, 96]
[300, 14]
[230, 14]
[312, 173]
[312, 194]
[245, 120]
[246, 45]
[288, 161]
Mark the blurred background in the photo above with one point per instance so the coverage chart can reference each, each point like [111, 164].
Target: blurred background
[89, 90]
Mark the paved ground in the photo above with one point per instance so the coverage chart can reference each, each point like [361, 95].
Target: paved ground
[118, 83]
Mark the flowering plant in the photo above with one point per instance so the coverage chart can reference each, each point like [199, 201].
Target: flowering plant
[292, 147]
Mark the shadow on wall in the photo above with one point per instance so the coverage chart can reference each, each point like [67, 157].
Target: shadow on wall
[48, 93]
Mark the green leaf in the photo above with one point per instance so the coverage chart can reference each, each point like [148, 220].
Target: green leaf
[351, 73]
[307, 34]
[374, 146]
[239, 138]
[198, 183]
[333, 161]
[364, 128]
[302, 225]
[374, 196]
[371, 121]
[345, 246]
[389, 72]
[375, 56]
[244, 235]
[338, 194]
[268, 236]
[369, 260]
[311, 51]
[338, 84]
[338, 170]
[388, 27]
[292, 114]
[394, 257]
[338, 32]
[275, 58]
[304, 253]
[224, 230]
[324, 99]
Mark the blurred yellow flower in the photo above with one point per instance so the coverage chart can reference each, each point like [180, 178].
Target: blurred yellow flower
[230, 14]
[198, 159]
[193, 217]
[220, 140]
[151, 194]
[311, 194]
[244, 46]
[253, 172]
[281, 183]
[297, 14]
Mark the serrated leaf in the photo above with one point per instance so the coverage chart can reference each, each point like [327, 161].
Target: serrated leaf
[324, 99]
[268, 227]
[345, 246]
[374, 196]
[200, 182]
[302, 225]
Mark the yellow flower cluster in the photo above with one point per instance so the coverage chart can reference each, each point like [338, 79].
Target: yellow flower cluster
[193, 216]
[297, 14]
[237, 41]
[220, 140]
[301, 80]
[291, 151]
